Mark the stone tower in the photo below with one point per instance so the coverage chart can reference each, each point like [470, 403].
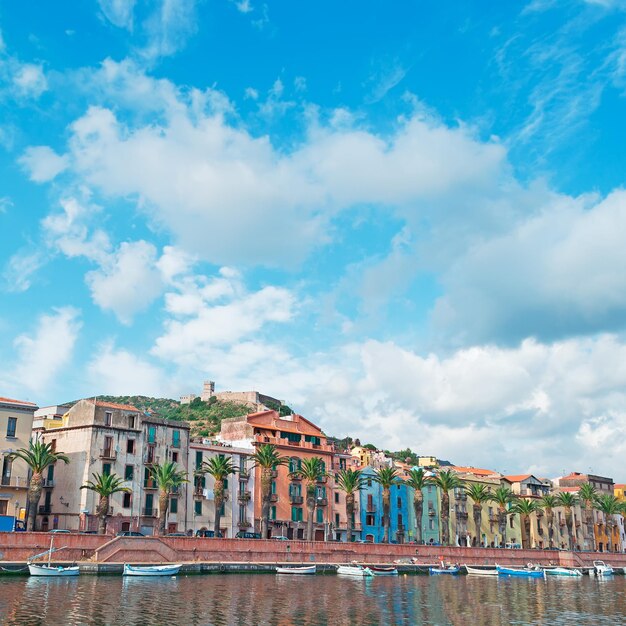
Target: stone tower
[208, 390]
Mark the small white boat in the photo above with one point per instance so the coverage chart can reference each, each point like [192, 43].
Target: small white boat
[563, 571]
[600, 568]
[447, 569]
[307, 570]
[151, 570]
[382, 570]
[52, 570]
[357, 571]
[481, 571]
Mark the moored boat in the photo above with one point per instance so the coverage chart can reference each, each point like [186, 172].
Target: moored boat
[52, 570]
[446, 569]
[600, 568]
[357, 571]
[307, 570]
[563, 571]
[525, 572]
[151, 570]
[481, 571]
[383, 571]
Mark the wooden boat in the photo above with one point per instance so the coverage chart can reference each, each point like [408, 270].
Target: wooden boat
[563, 571]
[445, 569]
[49, 569]
[308, 569]
[151, 570]
[522, 572]
[382, 570]
[600, 568]
[357, 571]
[481, 571]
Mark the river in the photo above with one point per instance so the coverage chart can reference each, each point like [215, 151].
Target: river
[256, 599]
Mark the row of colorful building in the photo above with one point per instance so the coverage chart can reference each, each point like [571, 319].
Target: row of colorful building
[103, 437]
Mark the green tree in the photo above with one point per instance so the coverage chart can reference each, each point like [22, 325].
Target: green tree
[105, 485]
[38, 456]
[587, 495]
[503, 497]
[351, 482]
[568, 500]
[479, 494]
[446, 481]
[549, 502]
[525, 508]
[417, 480]
[310, 471]
[168, 479]
[268, 459]
[609, 505]
[386, 477]
[220, 468]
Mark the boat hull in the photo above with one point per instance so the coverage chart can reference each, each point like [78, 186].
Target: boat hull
[564, 571]
[477, 571]
[301, 571]
[522, 573]
[438, 570]
[383, 571]
[45, 570]
[356, 572]
[151, 570]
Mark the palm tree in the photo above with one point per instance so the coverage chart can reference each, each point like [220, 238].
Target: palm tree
[568, 500]
[417, 480]
[105, 485]
[549, 502]
[525, 508]
[220, 468]
[386, 477]
[310, 471]
[446, 481]
[502, 496]
[38, 456]
[268, 459]
[168, 478]
[479, 493]
[587, 494]
[351, 481]
[610, 506]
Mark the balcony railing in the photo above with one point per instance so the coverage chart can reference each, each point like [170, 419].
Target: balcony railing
[370, 507]
[150, 484]
[45, 509]
[462, 515]
[322, 479]
[15, 481]
[296, 477]
[149, 512]
[108, 453]
[432, 512]
[274, 473]
[244, 474]
[273, 497]
[151, 459]
[243, 496]
[296, 499]
[244, 524]
[322, 501]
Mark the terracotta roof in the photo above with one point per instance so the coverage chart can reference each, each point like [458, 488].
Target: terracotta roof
[113, 405]
[569, 489]
[477, 471]
[518, 478]
[298, 424]
[619, 486]
[12, 401]
[575, 475]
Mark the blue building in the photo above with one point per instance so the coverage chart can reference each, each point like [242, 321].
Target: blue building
[372, 510]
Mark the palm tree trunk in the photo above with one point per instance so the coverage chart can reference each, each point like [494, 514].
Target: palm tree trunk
[478, 515]
[568, 523]
[310, 506]
[34, 493]
[266, 488]
[590, 528]
[502, 525]
[445, 518]
[102, 512]
[418, 507]
[163, 502]
[350, 514]
[218, 501]
[609, 535]
[386, 507]
[525, 531]
[550, 515]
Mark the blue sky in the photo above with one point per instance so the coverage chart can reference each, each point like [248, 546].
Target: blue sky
[405, 219]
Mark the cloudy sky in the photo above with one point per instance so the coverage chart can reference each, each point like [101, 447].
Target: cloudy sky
[406, 219]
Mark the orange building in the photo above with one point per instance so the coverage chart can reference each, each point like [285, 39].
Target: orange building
[296, 438]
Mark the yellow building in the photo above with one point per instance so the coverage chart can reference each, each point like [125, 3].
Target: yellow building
[618, 491]
[16, 422]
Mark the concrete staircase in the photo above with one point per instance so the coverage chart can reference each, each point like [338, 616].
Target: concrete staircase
[135, 550]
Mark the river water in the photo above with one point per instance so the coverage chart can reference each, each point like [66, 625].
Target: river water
[256, 599]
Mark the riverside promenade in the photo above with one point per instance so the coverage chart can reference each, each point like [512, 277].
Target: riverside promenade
[16, 548]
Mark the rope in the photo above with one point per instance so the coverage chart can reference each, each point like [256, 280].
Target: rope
[4, 569]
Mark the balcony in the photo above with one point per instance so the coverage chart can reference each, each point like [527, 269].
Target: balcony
[462, 515]
[150, 484]
[243, 496]
[273, 497]
[151, 459]
[432, 512]
[370, 507]
[151, 512]
[296, 499]
[322, 479]
[16, 481]
[274, 473]
[48, 483]
[244, 524]
[321, 501]
[244, 474]
[45, 509]
[108, 454]
[296, 477]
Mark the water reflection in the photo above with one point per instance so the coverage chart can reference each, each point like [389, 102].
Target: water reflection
[251, 600]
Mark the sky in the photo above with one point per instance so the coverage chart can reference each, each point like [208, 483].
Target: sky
[405, 219]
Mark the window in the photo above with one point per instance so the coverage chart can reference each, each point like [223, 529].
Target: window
[295, 489]
[50, 476]
[225, 484]
[511, 521]
[296, 514]
[273, 512]
[337, 519]
[149, 504]
[320, 492]
[11, 426]
[106, 469]
[128, 472]
[292, 437]
[174, 457]
[430, 488]
[6, 470]
[176, 439]
[312, 439]
[173, 505]
[131, 421]
[3, 507]
[152, 434]
[399, 520]
[108, 447]
[369, 482]
[53, 445]
[273, 490]
[336, 497]
[399, 503]
[342, 464]
[108, 418]
[223, 509]
[369, 520]
[320, 516]
[431, 524]
[126, 500]
[130, 446]
[197, 507]
[295, 464]
[198, 459]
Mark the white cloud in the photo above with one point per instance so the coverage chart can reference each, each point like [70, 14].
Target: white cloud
[20, 269]
[169, 26]
[128, 281]
[42, 356]
[29, 80]
[118, 12]
[42, 163]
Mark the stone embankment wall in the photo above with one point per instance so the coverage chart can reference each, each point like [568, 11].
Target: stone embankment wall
[107, 549]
